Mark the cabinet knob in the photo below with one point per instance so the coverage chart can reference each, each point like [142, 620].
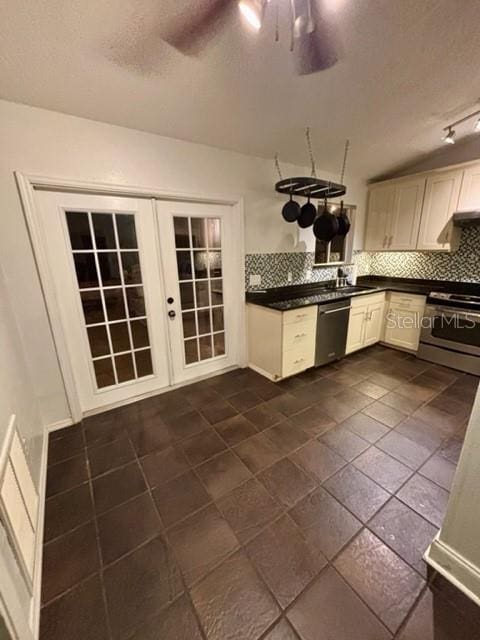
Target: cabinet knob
[171, 314]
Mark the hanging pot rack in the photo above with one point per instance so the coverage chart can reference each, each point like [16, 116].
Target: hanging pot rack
[310, 187]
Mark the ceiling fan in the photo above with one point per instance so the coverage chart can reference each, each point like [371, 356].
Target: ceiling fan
[312, 41]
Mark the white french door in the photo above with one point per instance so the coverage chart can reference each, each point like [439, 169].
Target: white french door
[146, 292]
[103, 259]
[201, 286]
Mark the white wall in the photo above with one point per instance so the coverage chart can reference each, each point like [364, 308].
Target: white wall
[42, 142]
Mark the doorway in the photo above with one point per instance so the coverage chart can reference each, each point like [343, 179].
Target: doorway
[146, 292]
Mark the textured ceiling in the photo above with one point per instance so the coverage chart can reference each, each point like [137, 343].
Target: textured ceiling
[407, 68]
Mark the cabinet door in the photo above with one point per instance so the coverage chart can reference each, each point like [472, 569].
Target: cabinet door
[406, 213]
[402, 328]
[470, 191]
[373, 324]
[356, 328]
[380, 202]
[441, 199]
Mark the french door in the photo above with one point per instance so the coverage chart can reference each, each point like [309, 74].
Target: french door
[198, 253]
[142, 291]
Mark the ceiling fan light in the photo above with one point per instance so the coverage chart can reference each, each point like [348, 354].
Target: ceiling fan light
[449, 137]
[252, 11]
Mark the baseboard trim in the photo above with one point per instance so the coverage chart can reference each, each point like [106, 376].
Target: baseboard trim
[455, 568]
[61, 424]
[37, 577]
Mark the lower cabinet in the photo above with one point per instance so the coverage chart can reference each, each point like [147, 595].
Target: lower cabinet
[403, 320]
[365, 325]
[281, 343]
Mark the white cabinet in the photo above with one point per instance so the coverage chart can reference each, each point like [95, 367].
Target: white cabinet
[441, 201]
[281, 344]
[365, 324]
[470, 190]
[380, 203]
[404, 220]
[403, 320]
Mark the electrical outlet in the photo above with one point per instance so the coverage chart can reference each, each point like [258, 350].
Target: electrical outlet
[255, 280]
[289, 276]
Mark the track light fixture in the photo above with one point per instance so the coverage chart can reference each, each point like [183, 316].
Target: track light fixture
[449, 136]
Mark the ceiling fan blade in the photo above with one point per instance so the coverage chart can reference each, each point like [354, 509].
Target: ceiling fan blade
[193, 29]
[315, 49]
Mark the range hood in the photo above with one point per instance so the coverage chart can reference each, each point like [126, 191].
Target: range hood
[466, 218]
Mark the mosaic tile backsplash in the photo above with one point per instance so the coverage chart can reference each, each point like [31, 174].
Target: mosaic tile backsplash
[462, 265]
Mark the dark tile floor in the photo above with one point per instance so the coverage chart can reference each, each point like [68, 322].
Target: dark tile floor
[236, 508]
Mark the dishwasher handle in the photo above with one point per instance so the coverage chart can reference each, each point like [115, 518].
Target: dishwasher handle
[333, 311]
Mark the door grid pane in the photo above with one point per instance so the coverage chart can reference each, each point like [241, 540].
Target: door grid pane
[199, 264]
[110, 284]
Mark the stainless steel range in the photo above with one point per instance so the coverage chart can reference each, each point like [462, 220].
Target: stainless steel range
[451, 331]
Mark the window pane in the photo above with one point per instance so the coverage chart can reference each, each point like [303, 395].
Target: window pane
[219, 344]
[86, 270]
[79, 230]
[204, 321]
[201, 264]
[203, 298]
[217, 317]
[109, 269]
[103, 229]
[184, 265]
[216, 287]
[186, 295]
[115, 304]
[140, 333]
[104, 372]
[92, 307]
[191, 351]
[205, 347]
[127, 236]
[131, 267]
[144, 363]
[135, 301]
[182, 239]
[188, 321]
[124, 367]
[97, 336]
[199, 236]
[120, 337]
[213, 233]
[215, 263]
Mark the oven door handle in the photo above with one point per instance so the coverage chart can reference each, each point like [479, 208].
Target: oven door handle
[450, 313]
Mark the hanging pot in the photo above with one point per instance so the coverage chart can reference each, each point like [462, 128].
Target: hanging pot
[326, 225]
[291, 210]
[307, 215]
[343, 222]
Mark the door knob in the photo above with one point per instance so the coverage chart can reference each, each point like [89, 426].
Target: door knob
[171, 314]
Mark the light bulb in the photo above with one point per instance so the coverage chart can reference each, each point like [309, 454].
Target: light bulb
[252, 11]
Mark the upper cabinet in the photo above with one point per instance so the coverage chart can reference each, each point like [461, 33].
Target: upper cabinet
[470, 191]
[380, 202]
[414, 213]
[441, 201]
[406, 213]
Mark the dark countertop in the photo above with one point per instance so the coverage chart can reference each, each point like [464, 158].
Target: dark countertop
[296, 296]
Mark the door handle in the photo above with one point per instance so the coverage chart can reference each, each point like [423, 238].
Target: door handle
[171, 314]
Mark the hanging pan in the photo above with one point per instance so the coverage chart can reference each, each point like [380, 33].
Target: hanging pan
[343, 221]
[291, 210]
[326, 225]
[307, 214]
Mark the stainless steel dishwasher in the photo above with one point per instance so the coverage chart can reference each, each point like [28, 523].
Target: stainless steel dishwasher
[332, 328]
